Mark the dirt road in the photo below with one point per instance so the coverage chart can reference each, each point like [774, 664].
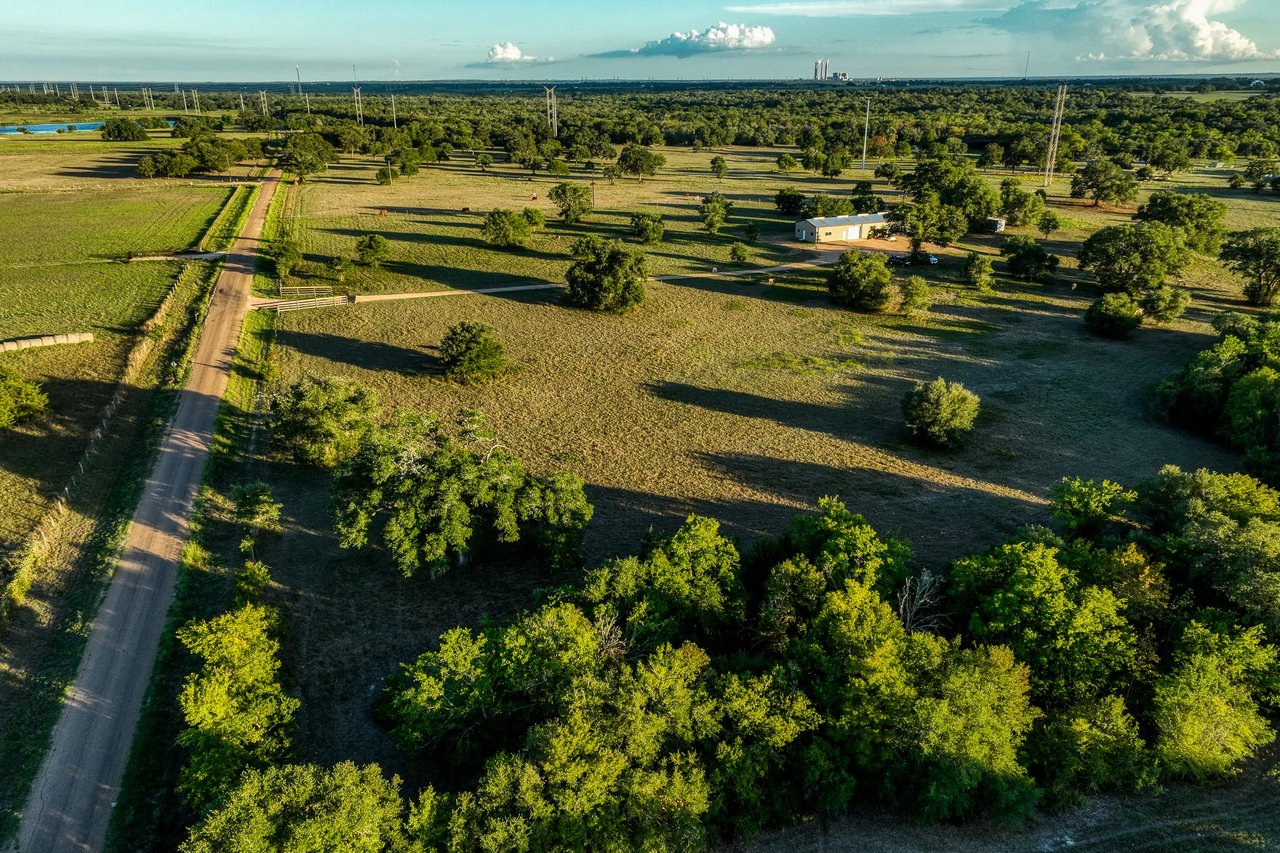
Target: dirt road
[71, 800]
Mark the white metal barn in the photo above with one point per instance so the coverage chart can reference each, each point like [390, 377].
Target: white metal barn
[836, 229]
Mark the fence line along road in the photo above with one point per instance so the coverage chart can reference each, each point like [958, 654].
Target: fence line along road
[71, 799]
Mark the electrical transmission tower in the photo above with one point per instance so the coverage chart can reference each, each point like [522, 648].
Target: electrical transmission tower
[355, 92]
[553, 117]
[262, 101]
[1055, 135]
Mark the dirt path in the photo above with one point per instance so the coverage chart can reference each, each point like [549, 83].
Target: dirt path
[71, 800]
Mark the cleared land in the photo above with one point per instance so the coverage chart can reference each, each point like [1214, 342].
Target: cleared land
[732, 398]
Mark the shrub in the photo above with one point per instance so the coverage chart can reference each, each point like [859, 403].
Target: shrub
[607, 276]
[536, 218]
[1165, 304]
[648, 227]
[861, 280]
[506, 228]
[123, 130]
[1114, 315]
[320, 421]
[977, 272]
[573, 200]
[471, 354]
[1028, 260]
[916, 295]
[373, 249]
[20, 399]
[939, 412]
[738, 253]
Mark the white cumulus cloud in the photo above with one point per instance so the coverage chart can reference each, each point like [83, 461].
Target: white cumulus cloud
[721, 37]
[865, 8]
[508, 52]
[1138, 30]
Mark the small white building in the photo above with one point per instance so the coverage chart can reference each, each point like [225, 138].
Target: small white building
[838, 229]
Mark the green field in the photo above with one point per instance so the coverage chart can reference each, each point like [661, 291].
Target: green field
[728, 397]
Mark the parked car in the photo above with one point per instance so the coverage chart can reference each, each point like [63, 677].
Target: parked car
[899, 260]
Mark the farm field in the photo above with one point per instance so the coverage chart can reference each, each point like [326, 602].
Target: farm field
[728, 397]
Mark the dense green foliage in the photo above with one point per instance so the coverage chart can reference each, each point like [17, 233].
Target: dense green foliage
[436, 492]
[373, 249]
[20, 399]
[861, 280]
[1114, 315]
[506, 228]
[1134, 258]
[1198, 216]
[236, 712]
[320, 421]
[605, 275]
[573, 201]
[1256, 256]
[647, 227]
[1028, 259]
[470, 353]
[939, 412]
[1103, 180]
[120, 129]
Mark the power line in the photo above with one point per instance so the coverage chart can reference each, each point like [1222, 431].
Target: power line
[1055, 135]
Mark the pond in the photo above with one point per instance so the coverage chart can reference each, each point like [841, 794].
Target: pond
[14, 129]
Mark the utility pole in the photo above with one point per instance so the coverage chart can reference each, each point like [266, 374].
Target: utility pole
[1055, 134]
[553, 117]
[298, 71]
[866, 126]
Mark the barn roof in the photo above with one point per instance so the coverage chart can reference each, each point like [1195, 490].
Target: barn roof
[855, 219]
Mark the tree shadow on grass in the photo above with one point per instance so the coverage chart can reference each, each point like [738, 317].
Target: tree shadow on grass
[366, 355]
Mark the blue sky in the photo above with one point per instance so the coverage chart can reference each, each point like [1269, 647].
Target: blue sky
[663, 39]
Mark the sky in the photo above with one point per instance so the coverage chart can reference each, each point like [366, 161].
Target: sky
[252, 40]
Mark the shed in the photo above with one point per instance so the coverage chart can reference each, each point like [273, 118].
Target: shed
[834, 229]
[996, 224]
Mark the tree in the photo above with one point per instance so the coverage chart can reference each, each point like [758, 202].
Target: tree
[256, 510]
[611, 172]
[821, 204]
[1164, 304]
[306, 154]
[20, 399]
[437, 493]
[719, 167]
[1198, 216]
[789, 201]
[285, 255]
[1018, 206]
[889, 170]
[1048, 222]
[929, 221]
[991, 156]
[385, 175]
[1134, 258]
[860, 280]
[1084, 508]
[506, 228]
[320, 421]
[751, 232]
[373, 249]
[574, 201]
[1102, 180]
[536, 218]
[835, 163]
[483, 162]
[305, 807]
[916, 295]
[1256, 256]
[119, 129]
[738, 253]
[977, 272]
[864, 198]
[939, 412]
[787, 163]
[606, 275]
[640, 161]
[471, 354]
[714, 212]
[1207, 717]
[648, 227]
[236, 712]
[1114, 315]
[1028, 260]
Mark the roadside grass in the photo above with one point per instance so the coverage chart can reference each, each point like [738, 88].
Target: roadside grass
[41, 643]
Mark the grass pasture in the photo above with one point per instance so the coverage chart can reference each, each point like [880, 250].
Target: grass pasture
[728, 397]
